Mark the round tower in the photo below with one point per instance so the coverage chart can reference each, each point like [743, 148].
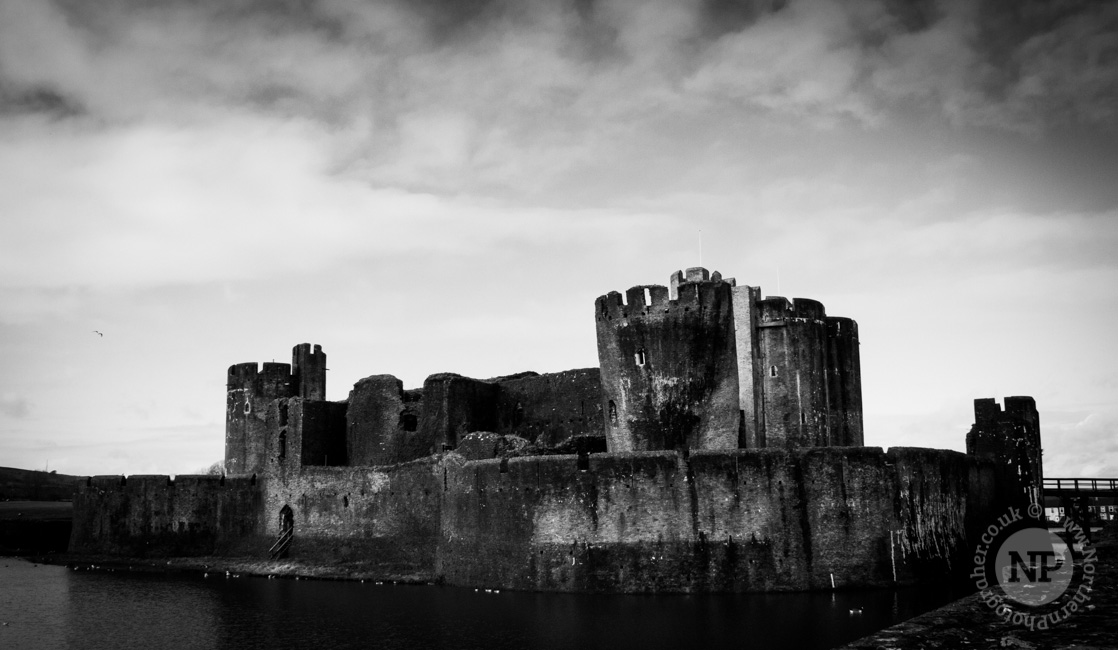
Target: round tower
[844, 382]
[669, 374]
[793, 346]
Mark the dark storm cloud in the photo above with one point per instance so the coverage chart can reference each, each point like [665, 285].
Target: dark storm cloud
[37, 99]
[1017, 65]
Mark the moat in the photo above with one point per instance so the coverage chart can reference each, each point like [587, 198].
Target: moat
[47, 606]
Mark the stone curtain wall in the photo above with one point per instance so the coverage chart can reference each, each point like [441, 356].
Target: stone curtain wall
[383, 515]
[746, 520]
[552, 409]
[742, 520]
[142, 516]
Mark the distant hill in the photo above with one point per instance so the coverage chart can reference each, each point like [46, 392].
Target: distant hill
[31, 485]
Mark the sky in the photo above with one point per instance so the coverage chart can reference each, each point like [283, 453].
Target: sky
[446, 186]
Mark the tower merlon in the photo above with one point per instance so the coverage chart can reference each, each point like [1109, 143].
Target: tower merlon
[986, 410]
[699, 274]
[647, 295]
[609, 306]
[841, 326]
[1020, 406]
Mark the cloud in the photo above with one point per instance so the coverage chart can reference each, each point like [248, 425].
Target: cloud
[14, 406]
[518, 93]
[1083, 446]
[240, 198]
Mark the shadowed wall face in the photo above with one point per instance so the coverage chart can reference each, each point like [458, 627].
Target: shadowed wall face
[383, 423]
[553, 408]
[669, 372]
[741, 520]
[144, 516]
[454, 406]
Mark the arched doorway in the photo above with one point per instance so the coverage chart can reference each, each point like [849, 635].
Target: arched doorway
[287, 533]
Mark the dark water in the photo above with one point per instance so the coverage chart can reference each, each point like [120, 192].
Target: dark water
[56, 607]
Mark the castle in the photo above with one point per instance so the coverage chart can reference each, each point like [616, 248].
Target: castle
[718, 447]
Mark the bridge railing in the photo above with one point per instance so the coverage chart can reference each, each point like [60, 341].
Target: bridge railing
[1081, 484]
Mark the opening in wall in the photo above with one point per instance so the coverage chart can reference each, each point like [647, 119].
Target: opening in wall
[283, 445]
[640, 357]
[612, 412]
[772, 371]
[408, 422]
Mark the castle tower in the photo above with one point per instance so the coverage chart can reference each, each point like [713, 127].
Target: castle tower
[249, 390]
[844, 368]
[308, 368]
[707, 364]
[669, 378]
[1012, 439]
[812, 394]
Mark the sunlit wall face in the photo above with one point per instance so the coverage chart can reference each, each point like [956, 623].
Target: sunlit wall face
[446, 187]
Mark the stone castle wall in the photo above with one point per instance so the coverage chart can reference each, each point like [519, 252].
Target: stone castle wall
[387, 515]
[142, 516]
[742, 520]
[553, 408]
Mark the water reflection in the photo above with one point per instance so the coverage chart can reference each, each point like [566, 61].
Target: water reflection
[53, 607]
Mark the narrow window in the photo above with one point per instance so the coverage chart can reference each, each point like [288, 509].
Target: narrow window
[283, 445]
[803, 417]
[612, 412]
[647, 297]
[248, 407]
[283, 414]
[345, 502]
[583, 462]
[772, 371]
[641, 359]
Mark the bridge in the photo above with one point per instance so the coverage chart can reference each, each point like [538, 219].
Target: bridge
[1064, 495]
[1081, 487]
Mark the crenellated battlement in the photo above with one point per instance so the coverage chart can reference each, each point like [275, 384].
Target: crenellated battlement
[271, 380]
[136, 484]
[778, 309]
[694, 289]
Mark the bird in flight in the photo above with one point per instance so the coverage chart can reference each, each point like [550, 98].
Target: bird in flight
[98, 333]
